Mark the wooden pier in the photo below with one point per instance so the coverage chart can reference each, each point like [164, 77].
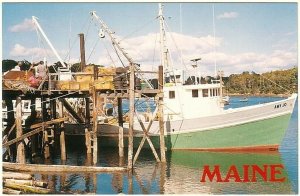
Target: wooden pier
[96, 90]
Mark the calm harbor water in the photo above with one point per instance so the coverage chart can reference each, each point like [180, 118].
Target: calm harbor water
[182, 172]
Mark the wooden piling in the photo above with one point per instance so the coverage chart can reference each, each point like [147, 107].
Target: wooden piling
[20, 145]
[95, 126]
[87, 111]
[121, 142]
[63, 155]
[161, 114]
[62, 141]
[131, 116]
[46, 145]
[121, 131]
[88, 141]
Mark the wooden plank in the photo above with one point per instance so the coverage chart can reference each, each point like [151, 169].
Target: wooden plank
[59, 120]
[27, 182]
[20, 145]
[59, 168]
[9, 191]
[16, 175]
[22, 137]
[27, 189]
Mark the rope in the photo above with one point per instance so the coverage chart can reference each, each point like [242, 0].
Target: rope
[140, 28]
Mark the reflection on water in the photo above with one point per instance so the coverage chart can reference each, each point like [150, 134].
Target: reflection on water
[181, 174]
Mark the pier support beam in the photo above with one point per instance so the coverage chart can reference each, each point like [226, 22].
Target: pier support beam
[62, 134]
[131, 115]
[20, 145]
[121, 131]
[9, 128]
[161, 114]
[95, 126]
[46, 144]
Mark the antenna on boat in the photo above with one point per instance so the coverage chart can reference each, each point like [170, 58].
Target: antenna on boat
[34, 19]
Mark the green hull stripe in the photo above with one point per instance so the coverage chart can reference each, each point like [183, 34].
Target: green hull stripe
[259, 133]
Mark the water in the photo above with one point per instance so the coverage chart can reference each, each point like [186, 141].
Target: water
[182, 172]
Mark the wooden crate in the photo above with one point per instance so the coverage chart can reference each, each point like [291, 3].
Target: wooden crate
[104, 85]
[106, 71]
[73, 85]
[62, 85]
[89, 69]
[83, 78]
[84, 85]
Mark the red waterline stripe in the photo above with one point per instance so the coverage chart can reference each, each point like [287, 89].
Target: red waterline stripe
[262, 149]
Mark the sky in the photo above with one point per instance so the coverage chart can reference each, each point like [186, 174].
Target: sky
[237, 37]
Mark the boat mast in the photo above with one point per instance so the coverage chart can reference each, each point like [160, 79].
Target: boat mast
[163, 47]
[34, 19]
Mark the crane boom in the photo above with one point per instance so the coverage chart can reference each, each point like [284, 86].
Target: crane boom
[34, 19]
[116, 43]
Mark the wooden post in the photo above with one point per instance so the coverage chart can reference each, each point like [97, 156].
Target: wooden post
[20, 145]
[34, 138]
[162, 178]
[88, 141]
[87, 111]
[131, 116]
[10, 125]
[46, 143]
[82, 51]
[121, 142]
[95, 126]
[161, 114]
[62, 145]
[62, 141]
[121, 131]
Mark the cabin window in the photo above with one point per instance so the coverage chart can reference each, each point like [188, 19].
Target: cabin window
[171, 94]
[205, 92]
[195, 93]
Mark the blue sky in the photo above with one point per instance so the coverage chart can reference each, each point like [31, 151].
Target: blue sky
[249, 36]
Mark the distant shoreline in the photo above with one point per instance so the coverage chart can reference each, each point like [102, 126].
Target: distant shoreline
[257, 95]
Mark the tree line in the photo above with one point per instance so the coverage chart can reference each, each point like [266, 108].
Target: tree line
[274, 82]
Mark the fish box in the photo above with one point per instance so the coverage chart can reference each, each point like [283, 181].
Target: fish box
[84, 85]
[74, 85]
[106, 71]
[101, 85]
[63, 85]
[84, 78]
[89, 69]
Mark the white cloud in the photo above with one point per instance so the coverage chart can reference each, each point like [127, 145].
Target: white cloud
[228, 15]
[145, 51]
[26, 25]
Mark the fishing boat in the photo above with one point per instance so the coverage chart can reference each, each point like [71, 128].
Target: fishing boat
[195, 118]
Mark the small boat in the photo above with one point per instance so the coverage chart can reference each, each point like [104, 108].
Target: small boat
[244, 99]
